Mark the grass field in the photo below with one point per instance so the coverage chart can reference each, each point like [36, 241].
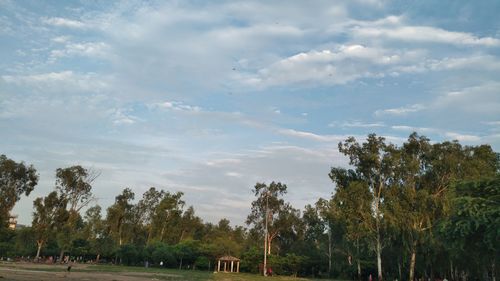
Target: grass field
[81, 272]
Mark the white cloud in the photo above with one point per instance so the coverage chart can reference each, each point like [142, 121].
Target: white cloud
[233, 174]
[492, 123]
[61, 39]
[401, 110]
[122, 117]
[338, 66]
[423, 34]
[443, 133]
[310, 136]
[61, 81]
[463, 137]
[89, 49]
[175, 105]
[356, 124]
[43, 77]
[63, 22]
[482, 98]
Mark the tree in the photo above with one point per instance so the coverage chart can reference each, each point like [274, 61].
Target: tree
[146, 206]
[93, 230]
[352, 207]
[166, 218]
[373, 165]
[472, 229]
[119, 216]
[268, 200]
[319, 232]
[16, 179]
[411, 204]
[417, 196]
[50, 212]
[75, 185]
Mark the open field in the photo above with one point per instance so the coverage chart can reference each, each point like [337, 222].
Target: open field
[81, 272]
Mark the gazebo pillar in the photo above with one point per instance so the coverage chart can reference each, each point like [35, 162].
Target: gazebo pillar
[237, 266]
[218, 267]
[232, 265]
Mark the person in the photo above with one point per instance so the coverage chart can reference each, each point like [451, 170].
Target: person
[370, 278]
[269, 271]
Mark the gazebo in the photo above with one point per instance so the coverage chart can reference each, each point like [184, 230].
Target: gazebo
[229, 264]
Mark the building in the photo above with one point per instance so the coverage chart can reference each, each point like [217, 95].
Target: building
[13, 222]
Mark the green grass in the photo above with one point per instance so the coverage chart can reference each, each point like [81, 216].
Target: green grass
[193, 275]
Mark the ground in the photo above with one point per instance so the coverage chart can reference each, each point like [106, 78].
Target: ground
[82, 272]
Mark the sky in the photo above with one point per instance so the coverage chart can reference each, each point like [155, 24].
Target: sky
[210, 97]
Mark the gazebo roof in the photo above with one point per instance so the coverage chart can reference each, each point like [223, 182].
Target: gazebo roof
[228, 258]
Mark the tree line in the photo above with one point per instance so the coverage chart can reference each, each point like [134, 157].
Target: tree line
[421, 209]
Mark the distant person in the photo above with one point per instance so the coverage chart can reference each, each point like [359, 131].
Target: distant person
[370, 278]
[269, 271]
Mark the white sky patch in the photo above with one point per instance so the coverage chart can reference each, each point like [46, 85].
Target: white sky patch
[63, 22]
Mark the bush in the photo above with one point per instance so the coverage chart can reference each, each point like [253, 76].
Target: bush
[129, 255]
[203, 263]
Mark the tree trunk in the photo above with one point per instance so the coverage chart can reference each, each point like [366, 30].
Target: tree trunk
[453, 271]
[359, 270]
[412, 261]
[493, 275]
[61, 256]
[40, 244]
[379, 256]
[377, 225]
[329, 252]
[399, 270]
[161, 232]
[269, 241]
[150, 233]
[180, 264]
[97, 258]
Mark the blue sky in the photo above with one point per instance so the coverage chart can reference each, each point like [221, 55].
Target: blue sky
[209, 98]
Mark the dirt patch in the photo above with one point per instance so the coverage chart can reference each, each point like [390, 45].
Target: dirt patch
[23, 274]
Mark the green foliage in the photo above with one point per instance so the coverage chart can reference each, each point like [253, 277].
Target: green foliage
[129, 254]
[164, 253]
[474, 223]
[16, 179]
[251, 259]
